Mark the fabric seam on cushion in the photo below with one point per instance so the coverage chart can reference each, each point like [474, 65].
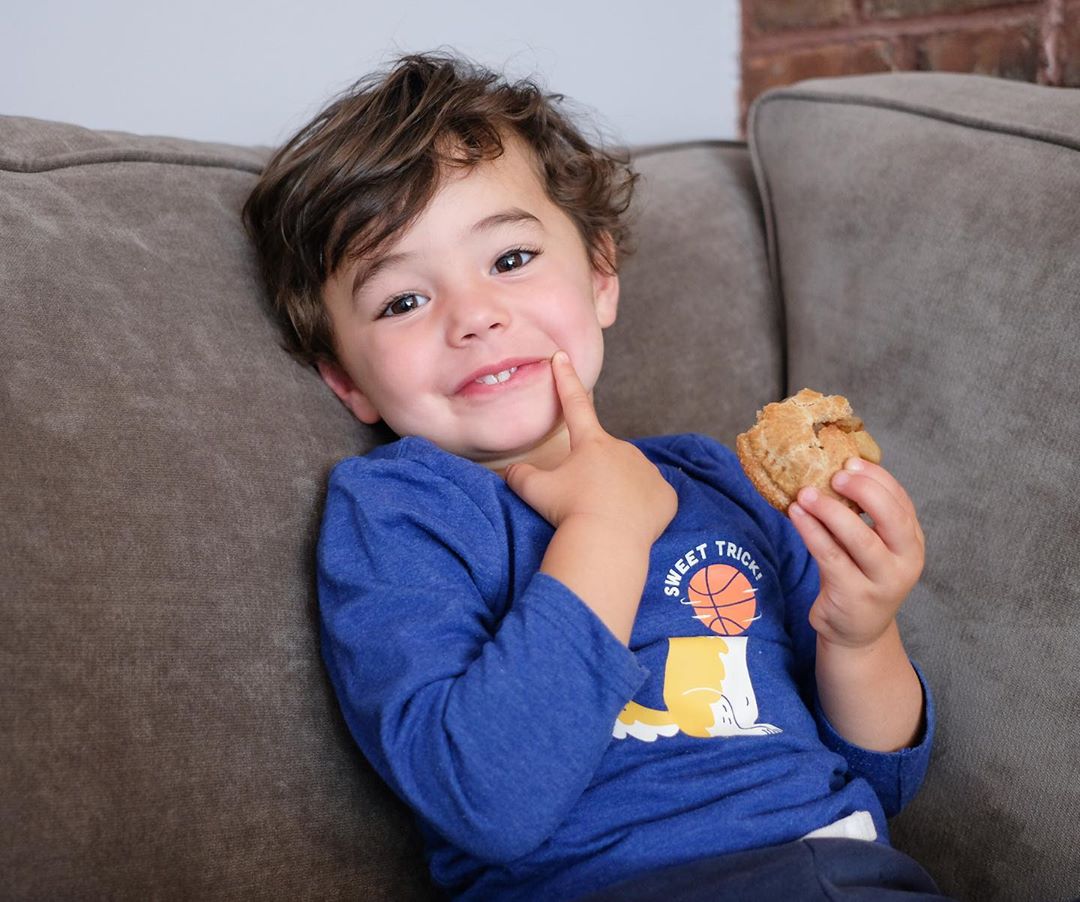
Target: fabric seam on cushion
[97, 158]
[648, 150]
[927, 112]
[771, 243]
[93, 158]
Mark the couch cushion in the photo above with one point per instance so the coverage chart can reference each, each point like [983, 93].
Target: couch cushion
[696, 346]
[169, 731]
[923, 232]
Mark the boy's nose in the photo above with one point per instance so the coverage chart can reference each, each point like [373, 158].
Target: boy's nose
[476, 317]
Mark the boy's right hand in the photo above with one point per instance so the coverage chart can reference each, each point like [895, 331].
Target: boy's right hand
[605, 482]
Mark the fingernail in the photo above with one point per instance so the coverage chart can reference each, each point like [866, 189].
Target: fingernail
[854, 463]
[559, 357]
[841, 479]
[808, 495]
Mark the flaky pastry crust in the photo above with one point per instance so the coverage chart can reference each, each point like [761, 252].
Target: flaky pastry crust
[803, 440]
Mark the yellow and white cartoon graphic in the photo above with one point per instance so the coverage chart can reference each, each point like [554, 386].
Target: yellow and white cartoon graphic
[707, 687]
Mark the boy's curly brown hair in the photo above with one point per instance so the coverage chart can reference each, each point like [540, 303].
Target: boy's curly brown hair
[368, 165]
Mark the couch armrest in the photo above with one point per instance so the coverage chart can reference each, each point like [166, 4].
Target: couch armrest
[923, 235]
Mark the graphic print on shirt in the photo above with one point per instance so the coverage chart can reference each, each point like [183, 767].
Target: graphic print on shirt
[707, 687]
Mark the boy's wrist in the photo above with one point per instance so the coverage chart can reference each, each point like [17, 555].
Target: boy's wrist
[870, 693]
[605, 563]
[886, 641]
[609, 529]
[865, 664]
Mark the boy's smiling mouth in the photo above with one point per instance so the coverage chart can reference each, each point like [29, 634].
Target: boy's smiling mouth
[498, 377]
[491, 378]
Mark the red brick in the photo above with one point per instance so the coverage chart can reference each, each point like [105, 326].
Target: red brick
[1008, 51]
[765, 16]
[768, 70]
[1070, 47]
[905, 9]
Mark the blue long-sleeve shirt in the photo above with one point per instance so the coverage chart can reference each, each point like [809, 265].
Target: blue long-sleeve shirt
[498, 706]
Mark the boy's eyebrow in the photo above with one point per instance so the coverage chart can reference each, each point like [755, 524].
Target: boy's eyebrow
[505, 217]
[365, 272]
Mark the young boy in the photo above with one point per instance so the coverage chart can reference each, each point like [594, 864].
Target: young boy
[579, 660]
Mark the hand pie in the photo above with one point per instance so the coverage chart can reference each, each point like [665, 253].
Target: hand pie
[803, 440]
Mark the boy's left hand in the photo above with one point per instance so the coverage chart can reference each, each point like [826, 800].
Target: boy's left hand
[866, 571]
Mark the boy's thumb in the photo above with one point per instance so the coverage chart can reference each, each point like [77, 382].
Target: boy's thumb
[533, 486]
[517, 475]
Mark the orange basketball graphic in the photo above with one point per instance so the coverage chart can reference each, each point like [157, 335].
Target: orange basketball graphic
[723, 599]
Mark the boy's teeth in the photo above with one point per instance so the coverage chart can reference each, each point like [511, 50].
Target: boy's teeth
[495, 378]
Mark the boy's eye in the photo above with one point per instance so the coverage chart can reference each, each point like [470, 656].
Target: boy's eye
[404, 304]
[513, 260]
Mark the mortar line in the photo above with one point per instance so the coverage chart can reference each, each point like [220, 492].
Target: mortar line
[1053, 29]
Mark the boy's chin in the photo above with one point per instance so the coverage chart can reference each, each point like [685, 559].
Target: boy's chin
[543, 449]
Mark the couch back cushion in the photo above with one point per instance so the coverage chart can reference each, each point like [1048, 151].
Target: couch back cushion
[696, 347]
[923, 232]
[169, 730]
[161, 462]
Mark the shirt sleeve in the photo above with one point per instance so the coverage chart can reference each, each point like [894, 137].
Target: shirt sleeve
[894, 776]
[488, 720]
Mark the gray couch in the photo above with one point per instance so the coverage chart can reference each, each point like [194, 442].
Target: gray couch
[912, 241]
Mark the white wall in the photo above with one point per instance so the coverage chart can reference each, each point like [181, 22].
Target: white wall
[252, 72]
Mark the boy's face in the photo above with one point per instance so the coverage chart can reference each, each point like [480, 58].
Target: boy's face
[448, 333]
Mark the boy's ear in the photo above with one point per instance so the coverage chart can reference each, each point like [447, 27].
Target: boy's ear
[342, 385]
[606, 286]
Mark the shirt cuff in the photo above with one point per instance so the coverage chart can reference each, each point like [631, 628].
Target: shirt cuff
[586, 634]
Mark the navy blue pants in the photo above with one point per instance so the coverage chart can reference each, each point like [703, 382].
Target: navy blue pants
[808, 870]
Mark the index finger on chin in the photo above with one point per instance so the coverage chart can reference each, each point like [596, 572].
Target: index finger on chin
[577, 406]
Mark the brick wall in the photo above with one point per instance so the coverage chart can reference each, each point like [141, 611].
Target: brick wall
[787, 40]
